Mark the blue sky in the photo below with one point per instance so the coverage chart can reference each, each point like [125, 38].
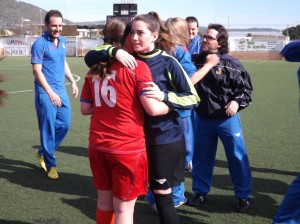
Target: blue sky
[278, 14]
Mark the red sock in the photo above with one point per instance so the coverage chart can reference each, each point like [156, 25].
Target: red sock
[105, 217]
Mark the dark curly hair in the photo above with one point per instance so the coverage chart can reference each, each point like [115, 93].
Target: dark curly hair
[222, 37]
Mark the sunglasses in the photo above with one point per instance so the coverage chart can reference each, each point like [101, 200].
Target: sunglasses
[209, 38]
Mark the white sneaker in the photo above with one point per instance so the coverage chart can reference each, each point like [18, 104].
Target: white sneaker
[181, 203]
[189, 167]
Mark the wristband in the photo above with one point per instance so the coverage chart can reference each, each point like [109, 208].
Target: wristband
[114, 51]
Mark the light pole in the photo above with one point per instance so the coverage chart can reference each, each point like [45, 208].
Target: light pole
[228, 24]
[23, 25]
[0, 28]
[41, 22]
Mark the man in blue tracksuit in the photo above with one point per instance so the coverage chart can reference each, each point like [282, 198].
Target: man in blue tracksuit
[195, 39]
[49, 66]
[289, 209]
[224, 91]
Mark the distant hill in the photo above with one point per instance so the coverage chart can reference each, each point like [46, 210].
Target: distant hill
[255, 30]
[13, 13]
[94, 23]
[249, 30]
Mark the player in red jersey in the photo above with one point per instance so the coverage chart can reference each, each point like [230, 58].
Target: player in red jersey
[117, 150]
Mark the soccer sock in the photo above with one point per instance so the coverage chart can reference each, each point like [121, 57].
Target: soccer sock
[105, 217]
[166, 210]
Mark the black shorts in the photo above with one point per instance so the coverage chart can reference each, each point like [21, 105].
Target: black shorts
[166, 165]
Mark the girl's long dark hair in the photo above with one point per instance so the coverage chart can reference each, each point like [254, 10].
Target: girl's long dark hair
[113, 33]
[154, 24]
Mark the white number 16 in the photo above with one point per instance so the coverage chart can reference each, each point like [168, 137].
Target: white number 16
[105, 90]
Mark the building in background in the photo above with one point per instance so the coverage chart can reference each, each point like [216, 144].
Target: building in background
[125, 11]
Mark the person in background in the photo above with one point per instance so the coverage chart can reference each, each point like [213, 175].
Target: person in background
[164, 137]
[178, 30]
[194, 45]
[160, 148]
[195, 39]
[224, 91]
[50, 68]
[113, 95]
[3, 94]
[291, 52]
[289, 209]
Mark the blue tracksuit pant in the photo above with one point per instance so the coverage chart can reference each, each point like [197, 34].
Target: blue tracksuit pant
[289, 209]
[229, 130]
[188, 132]
[54, 123]
[177, 194]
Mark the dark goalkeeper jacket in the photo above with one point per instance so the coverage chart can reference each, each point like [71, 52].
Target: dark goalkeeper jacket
[179, 92]
[225, 82]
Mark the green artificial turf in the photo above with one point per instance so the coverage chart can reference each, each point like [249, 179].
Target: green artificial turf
[270, 128]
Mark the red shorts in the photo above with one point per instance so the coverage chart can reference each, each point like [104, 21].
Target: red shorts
[125, 174]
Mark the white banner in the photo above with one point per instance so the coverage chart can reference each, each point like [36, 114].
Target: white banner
[247, 44]
[14, 42]
[16, 51]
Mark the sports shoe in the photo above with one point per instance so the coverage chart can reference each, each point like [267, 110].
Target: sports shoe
[41, 161]
[53, 173]
[189, 167]
[181, 203]
[243, 205]
[197, 200]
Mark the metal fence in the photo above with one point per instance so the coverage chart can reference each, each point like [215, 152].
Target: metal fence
[21, 46]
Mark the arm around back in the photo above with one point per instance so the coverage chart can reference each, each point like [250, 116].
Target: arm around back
[154, 107]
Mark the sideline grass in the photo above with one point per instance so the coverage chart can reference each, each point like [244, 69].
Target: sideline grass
[271, 131]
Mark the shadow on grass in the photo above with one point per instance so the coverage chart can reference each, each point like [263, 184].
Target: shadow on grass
[81, 151]
[86, 205]
[22, 173]
[31, 176]
[261, 204]
[76, 151]
[39, 221]
[223, 164]
[143, 213]
[2, 221]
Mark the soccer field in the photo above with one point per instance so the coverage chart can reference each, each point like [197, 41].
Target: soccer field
[271, 131]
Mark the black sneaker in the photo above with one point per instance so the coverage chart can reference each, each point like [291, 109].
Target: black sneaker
[243, 205]
[197, 200]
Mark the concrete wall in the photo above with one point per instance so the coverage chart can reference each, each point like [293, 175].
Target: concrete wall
[252, 55]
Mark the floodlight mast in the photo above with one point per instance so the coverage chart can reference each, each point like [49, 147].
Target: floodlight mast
[41, 20]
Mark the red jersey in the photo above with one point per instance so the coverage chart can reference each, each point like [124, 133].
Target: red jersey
[117, 122]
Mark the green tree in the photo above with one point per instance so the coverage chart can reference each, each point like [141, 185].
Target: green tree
[293, 32]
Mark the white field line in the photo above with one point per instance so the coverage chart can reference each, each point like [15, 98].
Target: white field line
[77, 78]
